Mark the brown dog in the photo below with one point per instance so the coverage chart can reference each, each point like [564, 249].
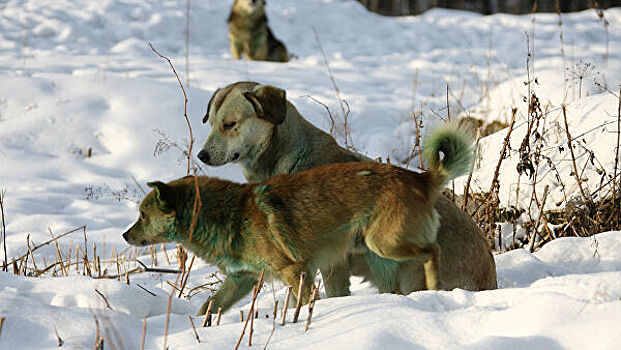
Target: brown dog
[255, 126]
[297, 223]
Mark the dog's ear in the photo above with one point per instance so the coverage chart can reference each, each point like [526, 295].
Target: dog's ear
[206, 117]
[269, 102]
[164, 194]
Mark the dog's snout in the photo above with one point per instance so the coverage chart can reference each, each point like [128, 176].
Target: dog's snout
[125, 236]
[203, 156]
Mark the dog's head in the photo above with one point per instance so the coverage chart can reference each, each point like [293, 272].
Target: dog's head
[249, 6]
[242, 116]
[157, 221]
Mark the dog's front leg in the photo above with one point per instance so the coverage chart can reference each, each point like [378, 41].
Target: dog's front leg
[236, 47]
[236, 286]
[336, 280]
[291, 276]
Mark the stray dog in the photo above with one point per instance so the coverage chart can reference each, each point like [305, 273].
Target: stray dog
[294, 223]
[250, 35]
[255, 126]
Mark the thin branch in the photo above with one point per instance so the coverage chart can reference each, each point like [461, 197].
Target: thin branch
[5, 263]
[573, 157]
[251, 313]
[104, 299]
[198, 340]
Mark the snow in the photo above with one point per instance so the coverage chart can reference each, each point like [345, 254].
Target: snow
[79, 75]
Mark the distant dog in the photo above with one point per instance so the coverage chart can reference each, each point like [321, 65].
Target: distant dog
[249, 34]
[257, 127]
[295, 223]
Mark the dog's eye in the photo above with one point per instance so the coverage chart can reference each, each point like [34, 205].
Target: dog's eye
[229, 125]
[142, 215]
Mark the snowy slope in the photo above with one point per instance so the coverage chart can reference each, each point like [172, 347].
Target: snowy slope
[565, 296]
[79, 74]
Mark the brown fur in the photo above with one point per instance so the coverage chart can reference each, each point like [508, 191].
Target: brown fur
[297, 223]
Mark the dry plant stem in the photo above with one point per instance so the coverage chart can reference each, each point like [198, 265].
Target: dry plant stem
[59, 255]
[311, 306]
[207, 319]
[1, 323]
[573, 158]
[251, 312]
[541, 208]
[5, 263]
[218, 316]
[467, 187]
[275, 312]
[503, 153]
[286, 305]
[165, 254]
[104, 299]
[144, 333]
[170, 296]
[185, 107]
[298, 306]
[187, 43]
[136, 270]
[50, 241]
[241, 316]
[251, 316]
[60, 340]
[187, 275]
[615, 189]
[198, 340]
[336, 90]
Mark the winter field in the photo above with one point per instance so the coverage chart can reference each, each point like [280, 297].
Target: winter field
[89, 114]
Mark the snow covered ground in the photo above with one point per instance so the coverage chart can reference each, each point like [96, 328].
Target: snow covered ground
[78, 75]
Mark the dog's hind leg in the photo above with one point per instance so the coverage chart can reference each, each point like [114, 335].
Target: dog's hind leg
[236, 286]
[384, 272]
[432, 266]
[336, 280]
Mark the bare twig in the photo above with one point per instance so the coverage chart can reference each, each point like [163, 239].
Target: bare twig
[60, 340]
[50, 241]
[60, 256]
[144, 333]
[573, 158]
[187, 275]
[104, 299]
[5, 262]
[187, 44]
[342, 102]
[140, 269]
[251, 313]
[1, 323]
[185, 107]
[467, 186]
[311, 306]
[286, 305]
[170, 296]
[207, 319]
[615, 189]
[198, 340]
[218, 316]
[541, 209]
[298, 306]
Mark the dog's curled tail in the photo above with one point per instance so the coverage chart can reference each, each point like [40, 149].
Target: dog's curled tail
[448, 151]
